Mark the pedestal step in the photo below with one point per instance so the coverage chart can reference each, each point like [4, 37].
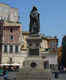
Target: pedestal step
[33, 76]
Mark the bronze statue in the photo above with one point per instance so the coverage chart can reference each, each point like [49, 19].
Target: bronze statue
[34, 21]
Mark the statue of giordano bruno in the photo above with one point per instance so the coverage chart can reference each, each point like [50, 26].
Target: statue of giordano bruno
[34, 27]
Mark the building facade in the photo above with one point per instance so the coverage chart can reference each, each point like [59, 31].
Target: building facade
[11, 38]
[59, 57]
[8, 13]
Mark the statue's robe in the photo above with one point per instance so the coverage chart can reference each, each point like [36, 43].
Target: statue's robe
[34, 22]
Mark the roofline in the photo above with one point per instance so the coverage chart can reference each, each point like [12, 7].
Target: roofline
[5, 4]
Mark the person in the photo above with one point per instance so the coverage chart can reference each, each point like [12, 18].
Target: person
[5, 74]
[56, 74]
[1, 71]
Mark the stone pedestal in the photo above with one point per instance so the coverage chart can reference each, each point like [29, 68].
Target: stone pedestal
[33, 61]
[34, 45]
[33, 66]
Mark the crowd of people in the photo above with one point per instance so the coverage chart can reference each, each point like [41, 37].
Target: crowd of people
[5, 69]
[4, 72]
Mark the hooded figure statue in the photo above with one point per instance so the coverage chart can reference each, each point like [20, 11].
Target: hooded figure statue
[34, 21]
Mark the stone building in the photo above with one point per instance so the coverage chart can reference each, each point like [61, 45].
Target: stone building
[8, 13]
[52, 50]
[11, 36]
[49, 43]
[11, 40]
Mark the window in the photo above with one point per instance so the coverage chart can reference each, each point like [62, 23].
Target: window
[11, 48]
[16, 49]
[52, 66]
[11, 30]
[5, 18]
[0, 47]
[5, 48]
[46, 49]
[15, 13]
[30, 44]
[52, 44]
[37, 45]
[0, 17]
[11, 60]
[11, 37]
[46, 65]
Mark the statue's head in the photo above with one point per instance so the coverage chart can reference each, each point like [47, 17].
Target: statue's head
[34, 8]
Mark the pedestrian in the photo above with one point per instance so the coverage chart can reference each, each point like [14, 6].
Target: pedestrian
[56, 74]
[5, 74]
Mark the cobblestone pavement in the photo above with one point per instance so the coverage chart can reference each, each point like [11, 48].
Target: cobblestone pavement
[61, 76]
[12, 75]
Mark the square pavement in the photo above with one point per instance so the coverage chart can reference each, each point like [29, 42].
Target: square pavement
[61, 76]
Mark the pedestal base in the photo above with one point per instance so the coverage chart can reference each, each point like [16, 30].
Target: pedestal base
[33, 75]
[33, 69]
[34, 45]
[33, 64]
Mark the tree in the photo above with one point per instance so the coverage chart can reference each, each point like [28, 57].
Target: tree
[64, 51]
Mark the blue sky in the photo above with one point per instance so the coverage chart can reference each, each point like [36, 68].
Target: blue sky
[53, 18]
[52, 15]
